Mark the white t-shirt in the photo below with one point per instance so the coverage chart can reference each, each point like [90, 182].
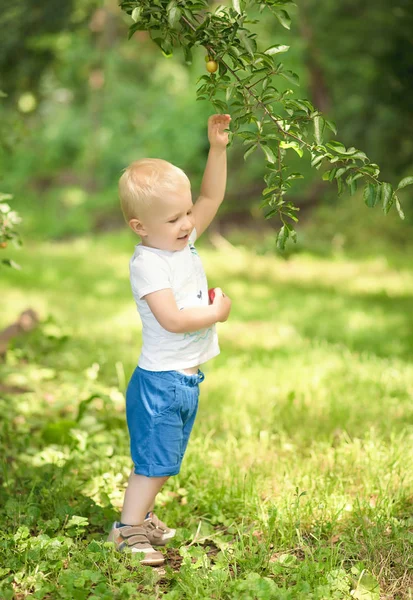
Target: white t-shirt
[152, 269]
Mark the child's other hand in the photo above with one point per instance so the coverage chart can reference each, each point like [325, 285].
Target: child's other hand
[218, 137]
[222, 304]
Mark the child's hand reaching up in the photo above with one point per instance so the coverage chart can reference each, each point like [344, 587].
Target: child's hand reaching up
[218, 137]
[222, 304]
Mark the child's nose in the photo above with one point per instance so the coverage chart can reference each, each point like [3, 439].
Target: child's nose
[188, 222]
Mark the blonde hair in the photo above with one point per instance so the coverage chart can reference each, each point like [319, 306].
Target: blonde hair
[146, 180]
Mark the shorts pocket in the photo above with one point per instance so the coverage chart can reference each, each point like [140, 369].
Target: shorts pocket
[166, 439]
[159, 396]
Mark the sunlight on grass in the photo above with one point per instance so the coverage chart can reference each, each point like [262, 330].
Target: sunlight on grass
[373, 275]
[258, 334]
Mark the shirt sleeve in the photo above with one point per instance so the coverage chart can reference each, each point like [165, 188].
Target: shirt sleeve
[149, 273]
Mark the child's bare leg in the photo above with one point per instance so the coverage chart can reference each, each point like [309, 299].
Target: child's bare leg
[140, 497]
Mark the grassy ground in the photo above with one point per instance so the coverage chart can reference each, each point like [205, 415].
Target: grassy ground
[298, 480]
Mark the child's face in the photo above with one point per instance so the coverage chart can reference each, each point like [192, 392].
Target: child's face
[168, 223]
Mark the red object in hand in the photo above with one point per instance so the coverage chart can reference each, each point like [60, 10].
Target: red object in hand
[211, 294]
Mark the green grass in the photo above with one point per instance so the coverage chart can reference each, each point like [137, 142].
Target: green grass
[298, 479]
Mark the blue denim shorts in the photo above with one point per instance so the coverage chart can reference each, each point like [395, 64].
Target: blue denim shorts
[161, 407]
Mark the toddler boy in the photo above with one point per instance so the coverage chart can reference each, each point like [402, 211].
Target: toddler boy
[178, 328]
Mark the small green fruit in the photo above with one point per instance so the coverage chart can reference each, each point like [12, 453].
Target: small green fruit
[211, 66]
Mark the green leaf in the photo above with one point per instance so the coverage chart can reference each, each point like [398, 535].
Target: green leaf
[174, 16]
[367, 588]
[164, 44]
[188, 55]
[331, 125]
[295, 176]
[236, 5]
[250, 150]
[332, 174]
[354, 177]
[318, 127]
[268, 153]
[358, 155]
[399, 208]
[294, 145]
[353, 187]
[291, 216]
[336, 146]
[229, 92]
[405, 182]
[276, 49]
[316, 161]
[271, 213]
[387, 196]
[203, 78]
[136, 13]
[247, 43]
[134, 28]
[167, 52]
[269, 190]
[76, 521]
[291, 77]
[283, 17]
[300, 105]
[329, 175]
[370, 195]
[371, 169]
[341, 171]
[219, 105]
[282, 237]
[247, 135]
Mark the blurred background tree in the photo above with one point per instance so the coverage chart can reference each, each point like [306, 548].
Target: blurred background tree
[88, 102]
[360, 61]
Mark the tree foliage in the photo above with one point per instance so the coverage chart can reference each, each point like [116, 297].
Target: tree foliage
[245, 85]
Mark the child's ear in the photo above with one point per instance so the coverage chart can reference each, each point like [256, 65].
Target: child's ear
[137, 227]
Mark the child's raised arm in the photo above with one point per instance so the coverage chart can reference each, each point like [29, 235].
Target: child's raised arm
[215, 175]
